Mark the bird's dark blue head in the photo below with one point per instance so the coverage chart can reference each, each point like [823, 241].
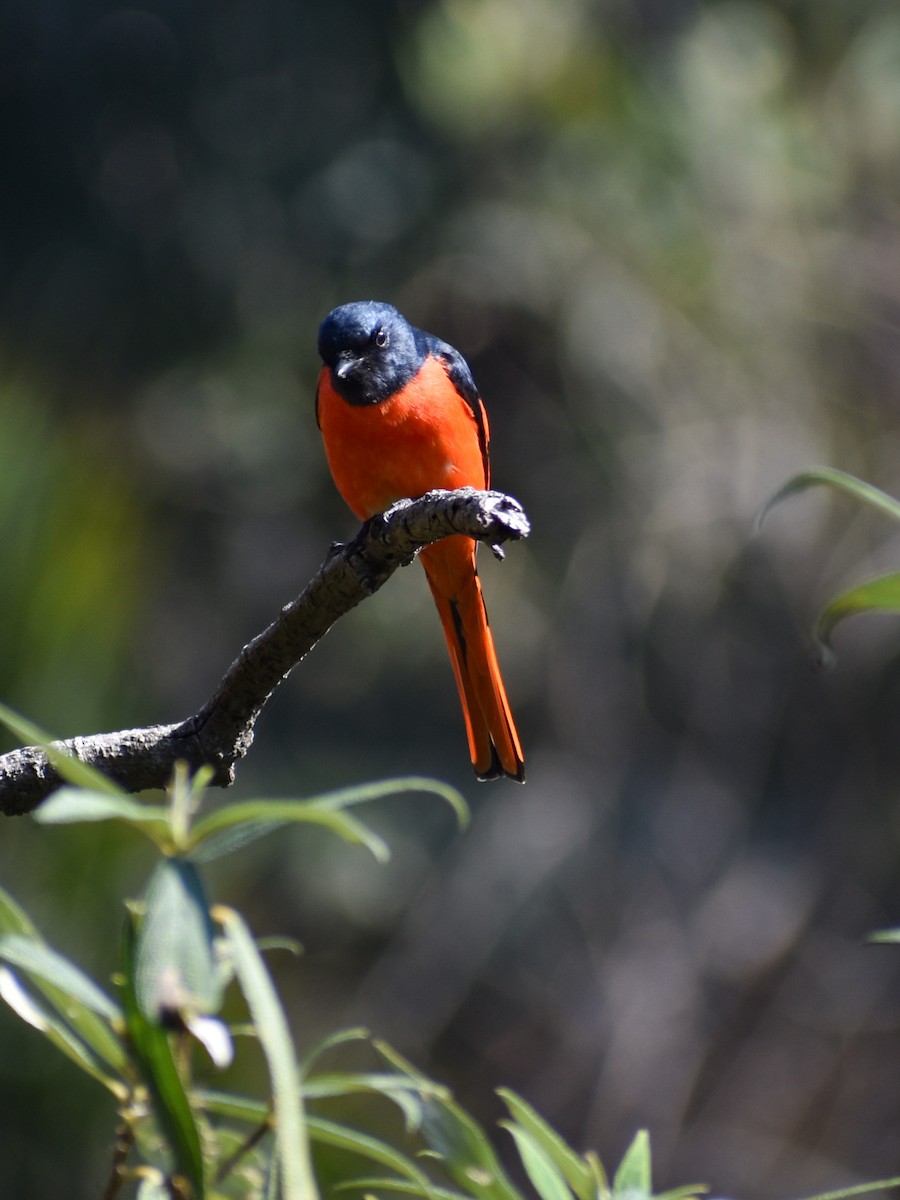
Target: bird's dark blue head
[371, 349]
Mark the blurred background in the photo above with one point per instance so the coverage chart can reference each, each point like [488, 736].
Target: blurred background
[666, 235]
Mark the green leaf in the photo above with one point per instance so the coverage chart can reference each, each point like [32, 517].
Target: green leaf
[634, 1176]
[840, 481]
[575, 1170]
[237, 1108]
[217, 845]
[545, 1177]
[400, 1064]
[859, 1189]
[339, 1038]
[93, 1030]
[377, 1184]
[690, 1191]
[876, 595]
[364, 793]
[13, 918]
[58, 1034]
[153, 1051]
[275, 941]
[346, 1084]
[292, 1145]
[271, 1181]
[69, 806]
[398, 1089]
[465, 1150]
[185, 796]
[329, 1133]
[237, 824]
[884, 936]
[72, 769]
[601, 1182]
[37, 959]
[175, 960]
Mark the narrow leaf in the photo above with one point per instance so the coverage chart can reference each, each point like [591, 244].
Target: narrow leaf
[689, 1191]
[399, 1063]
[635, 1175]
[259, 817]
[76, 805]
[90, 1028]
[465, 1150]
[405, 1093]
[598, 1171]
[575, 1170]
[378, 1184]
[545, 1177]
[859, 1189]
[154, 1054]
[364, 793]
[341, 1084]
[20, 1002]
[175, 962]
[275, 941]
[226, 841]
[235, 826]
[36, 958]
[292, 1145]
[339, 1038]
[840, 481]
[329, 1133]
[235, 1107]
[184, 797]
[13, 918]
[273, 1179]
[28, 1009]
[884, 936]
[876, 595]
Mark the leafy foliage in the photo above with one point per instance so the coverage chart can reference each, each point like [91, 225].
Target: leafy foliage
[145, 1044]
[873, 595]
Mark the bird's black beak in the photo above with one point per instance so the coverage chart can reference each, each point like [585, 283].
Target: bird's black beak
[345, 366]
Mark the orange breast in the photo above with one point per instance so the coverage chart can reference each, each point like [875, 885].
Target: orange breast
[424, 437]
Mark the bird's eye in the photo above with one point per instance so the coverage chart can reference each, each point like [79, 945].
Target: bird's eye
[381, 338]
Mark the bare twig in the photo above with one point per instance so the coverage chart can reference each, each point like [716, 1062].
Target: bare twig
[121, 1150]
[249, 1143]
[221, 732]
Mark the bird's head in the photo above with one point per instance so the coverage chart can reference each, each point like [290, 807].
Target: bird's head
[370, 349]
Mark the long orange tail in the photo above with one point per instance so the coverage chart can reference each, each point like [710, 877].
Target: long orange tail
[493, 741]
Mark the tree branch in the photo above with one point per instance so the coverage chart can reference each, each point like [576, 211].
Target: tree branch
[221, 732]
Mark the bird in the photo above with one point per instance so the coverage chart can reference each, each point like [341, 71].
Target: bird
[400, 415]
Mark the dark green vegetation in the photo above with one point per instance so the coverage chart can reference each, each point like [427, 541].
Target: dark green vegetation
[179, 1138]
